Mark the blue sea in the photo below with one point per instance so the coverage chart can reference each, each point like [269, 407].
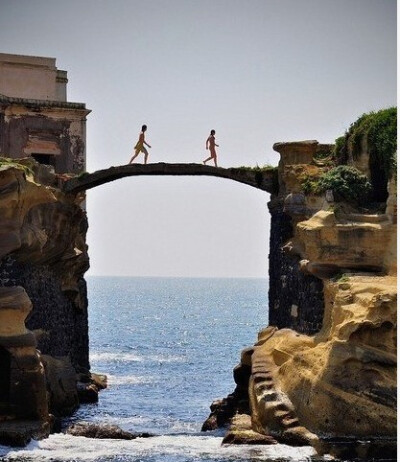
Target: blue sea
[168, 347]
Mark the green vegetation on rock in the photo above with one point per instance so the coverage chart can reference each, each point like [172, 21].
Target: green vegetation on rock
[380, 130]
[257, 168]
[346, 182]
[340, 144]
[309, 185]
[376, 134]
[258, 172]
[6, 162]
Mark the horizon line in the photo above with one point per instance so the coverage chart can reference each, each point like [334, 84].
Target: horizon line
[175, 277]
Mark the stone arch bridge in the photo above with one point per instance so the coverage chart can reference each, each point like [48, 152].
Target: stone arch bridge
[265, 179]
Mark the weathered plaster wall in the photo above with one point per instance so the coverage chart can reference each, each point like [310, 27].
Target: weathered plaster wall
[31, 77]
[59, 132]
[35, 117]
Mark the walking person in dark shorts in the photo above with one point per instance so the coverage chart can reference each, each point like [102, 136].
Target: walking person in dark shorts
[139, 147]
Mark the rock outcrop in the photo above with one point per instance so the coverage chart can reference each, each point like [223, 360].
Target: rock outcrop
[43, 303]
[104, 431]
[23, 401]
[330, 351]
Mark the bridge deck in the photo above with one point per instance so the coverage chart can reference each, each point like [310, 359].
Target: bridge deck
[264, 179]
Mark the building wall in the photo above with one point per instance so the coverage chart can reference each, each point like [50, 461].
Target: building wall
[31, 77]
[56, 132]
[35, 117]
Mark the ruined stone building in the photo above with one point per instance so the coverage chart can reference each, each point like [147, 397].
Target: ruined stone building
[35, 117]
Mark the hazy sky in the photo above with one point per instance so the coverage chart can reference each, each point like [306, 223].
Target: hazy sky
[256, 71]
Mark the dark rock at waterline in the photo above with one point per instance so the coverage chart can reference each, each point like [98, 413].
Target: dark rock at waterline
[358, 449]
[18, 433]
[248, 438]
[89, 385]
[222, 410]
[210, 424]
[105, 431]
[87, 393]
[241, 432]
[61, 385]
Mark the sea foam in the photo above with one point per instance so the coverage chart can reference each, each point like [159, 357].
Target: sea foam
[66, 447]
[133, 357]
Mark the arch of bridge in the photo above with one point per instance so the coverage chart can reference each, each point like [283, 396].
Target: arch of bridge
[264, 180]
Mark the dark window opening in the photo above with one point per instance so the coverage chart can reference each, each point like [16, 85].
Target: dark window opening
[46, 159]
[5, 367]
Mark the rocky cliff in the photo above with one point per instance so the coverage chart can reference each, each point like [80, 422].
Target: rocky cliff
[324, 371]
[43, 258]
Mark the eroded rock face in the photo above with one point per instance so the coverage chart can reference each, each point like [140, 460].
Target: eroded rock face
[43, 249]
[43, 258]
[350, 241]
[324, 372]
[18, 196]
[347, 369]
[23, 396]
[307, 384]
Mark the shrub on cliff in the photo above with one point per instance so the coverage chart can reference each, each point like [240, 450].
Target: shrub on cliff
[340, 148]
[347, 183]
[377, 133]
[380, 129]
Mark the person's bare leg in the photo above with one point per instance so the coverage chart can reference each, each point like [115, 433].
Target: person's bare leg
[146, 155]
[134, 156]
[206, 160]
[213, 156]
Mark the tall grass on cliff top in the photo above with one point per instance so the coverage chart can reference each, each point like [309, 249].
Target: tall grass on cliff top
[380, 130]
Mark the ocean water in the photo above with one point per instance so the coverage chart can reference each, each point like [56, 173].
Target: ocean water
[168, 347]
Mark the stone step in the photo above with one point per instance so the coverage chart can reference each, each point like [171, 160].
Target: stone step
[257, 368]
[258, 376]
[290, 423]
[366, 218]
[262, 375]
[270, 396]
[263, 387]
[282, 414]
[280, 406]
